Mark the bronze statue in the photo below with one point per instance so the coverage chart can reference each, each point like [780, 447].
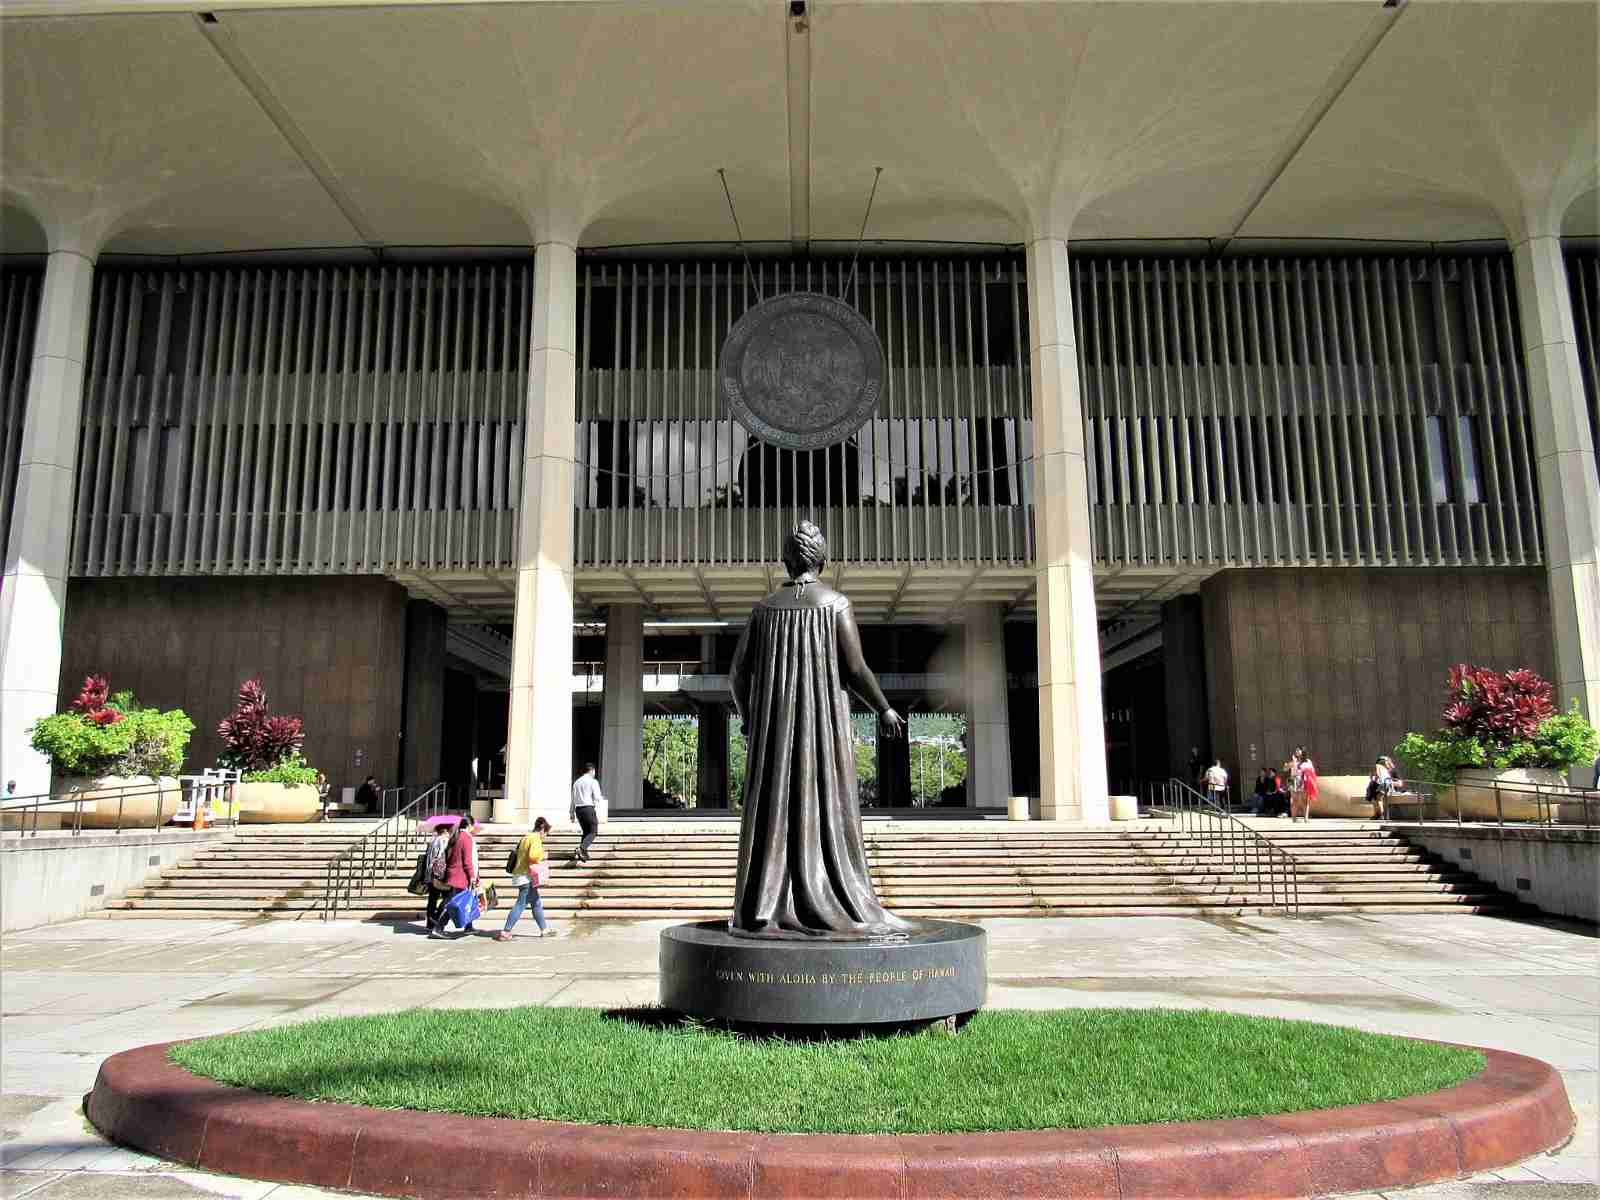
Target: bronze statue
[802, 864]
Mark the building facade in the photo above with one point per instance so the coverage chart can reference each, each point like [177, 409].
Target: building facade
[1220, 426]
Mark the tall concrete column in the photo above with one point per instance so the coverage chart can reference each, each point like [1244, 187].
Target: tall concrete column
[1569, 495]
[988, 723]
[711, 757]
[539, 737]
[1072, 750]
[33, 594]
[621, 773]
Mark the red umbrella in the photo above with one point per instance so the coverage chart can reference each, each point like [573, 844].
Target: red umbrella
[442, 821]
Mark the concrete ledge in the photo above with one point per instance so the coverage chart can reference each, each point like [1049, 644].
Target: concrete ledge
[1517, 1107]
[58, 877]
[1552, 867]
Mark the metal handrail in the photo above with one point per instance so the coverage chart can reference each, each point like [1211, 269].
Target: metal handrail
[198, 790]
[1267, 869]
[1554, 806]
[374, 854]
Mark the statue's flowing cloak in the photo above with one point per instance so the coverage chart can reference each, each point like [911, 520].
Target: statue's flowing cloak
[803, 867]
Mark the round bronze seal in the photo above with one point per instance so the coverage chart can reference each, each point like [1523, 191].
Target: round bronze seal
[802, 371]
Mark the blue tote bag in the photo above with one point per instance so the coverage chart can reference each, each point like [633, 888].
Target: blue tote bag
[462, 908]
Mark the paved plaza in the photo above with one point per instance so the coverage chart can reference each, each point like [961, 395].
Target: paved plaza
[75, 993]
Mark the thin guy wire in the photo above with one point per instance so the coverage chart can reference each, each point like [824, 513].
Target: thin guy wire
[855, 258]
[739, 234]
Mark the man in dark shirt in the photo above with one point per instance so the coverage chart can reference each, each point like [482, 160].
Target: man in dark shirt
[369, 797]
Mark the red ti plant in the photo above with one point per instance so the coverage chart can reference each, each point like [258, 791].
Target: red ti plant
[254, 740]
[91, 701]
[1497, 707]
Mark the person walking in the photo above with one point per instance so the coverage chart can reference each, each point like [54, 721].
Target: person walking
[585, 795]
[526, 873]
[1291, 772]
[461, 869]
[434, 868]
[1308, 785]
[1379, 784]
[1217, 783]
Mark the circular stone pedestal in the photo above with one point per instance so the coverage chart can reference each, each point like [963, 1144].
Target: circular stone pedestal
[941, 970]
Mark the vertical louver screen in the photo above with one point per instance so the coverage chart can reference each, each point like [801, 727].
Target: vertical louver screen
[19, 313]
[322, 420]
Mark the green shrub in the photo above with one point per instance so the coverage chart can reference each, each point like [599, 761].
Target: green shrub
[159, 740]
[1558, 742]
[118, 737]
[290, 769]
[1564, 740]
[76, 745]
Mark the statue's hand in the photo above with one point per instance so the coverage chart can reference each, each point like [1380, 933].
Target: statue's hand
[891, 723]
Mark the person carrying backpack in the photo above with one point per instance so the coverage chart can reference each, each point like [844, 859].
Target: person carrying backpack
[529, 868]
[461, 877]
[434, 869]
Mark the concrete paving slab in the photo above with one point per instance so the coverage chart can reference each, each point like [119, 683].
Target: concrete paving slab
[1520, 986]
[16, 1184]
[491, 991]
[88, 1185]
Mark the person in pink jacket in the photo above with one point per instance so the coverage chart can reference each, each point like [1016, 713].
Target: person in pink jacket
[1307, 794]
[461, 867]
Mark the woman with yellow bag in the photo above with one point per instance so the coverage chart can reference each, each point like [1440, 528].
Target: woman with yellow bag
[529, 867]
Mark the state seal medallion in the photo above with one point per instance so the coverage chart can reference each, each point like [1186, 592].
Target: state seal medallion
[802, 371]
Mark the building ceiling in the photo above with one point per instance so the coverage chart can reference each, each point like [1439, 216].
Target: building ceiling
[879, 593]
[142, 127]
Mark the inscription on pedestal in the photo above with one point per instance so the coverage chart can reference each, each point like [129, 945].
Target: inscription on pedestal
[939, 970]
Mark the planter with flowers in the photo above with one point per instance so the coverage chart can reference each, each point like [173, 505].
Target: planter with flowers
[120, 756]
[276, 784]
[1503, 741]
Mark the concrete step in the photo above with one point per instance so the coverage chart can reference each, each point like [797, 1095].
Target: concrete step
[282, 873]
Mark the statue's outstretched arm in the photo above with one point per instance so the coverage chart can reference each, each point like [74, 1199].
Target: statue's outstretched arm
[739, 674]
[858, 677]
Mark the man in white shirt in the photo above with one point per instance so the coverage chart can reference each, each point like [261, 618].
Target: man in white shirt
[1217, 783]
[585, 795]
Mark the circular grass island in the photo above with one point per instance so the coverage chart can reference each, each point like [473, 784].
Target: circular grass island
[1004, 1071]
[541, 1102]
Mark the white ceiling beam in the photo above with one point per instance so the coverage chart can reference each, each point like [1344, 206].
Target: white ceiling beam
[232, 54]
[797, 59]
[1349, 66]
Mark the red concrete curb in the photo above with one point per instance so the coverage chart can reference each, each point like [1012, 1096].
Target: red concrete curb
[1515, 1108]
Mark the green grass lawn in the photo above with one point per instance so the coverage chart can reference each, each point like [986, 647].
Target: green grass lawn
[1070, 1068]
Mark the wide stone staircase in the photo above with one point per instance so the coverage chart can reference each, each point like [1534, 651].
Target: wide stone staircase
[932, 869]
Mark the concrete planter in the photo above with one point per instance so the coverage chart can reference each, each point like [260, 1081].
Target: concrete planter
[1473, 796]
[276, 803]
[135, 797]
[1343, 796]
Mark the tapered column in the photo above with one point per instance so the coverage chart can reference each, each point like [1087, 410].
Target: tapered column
[1569, 495]
[33, 594]
[539, 746]
[894, 770]
[988, 723]
[1072, 751]
[621, 776]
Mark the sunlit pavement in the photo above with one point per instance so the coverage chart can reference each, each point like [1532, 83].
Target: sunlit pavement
[72, 994]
